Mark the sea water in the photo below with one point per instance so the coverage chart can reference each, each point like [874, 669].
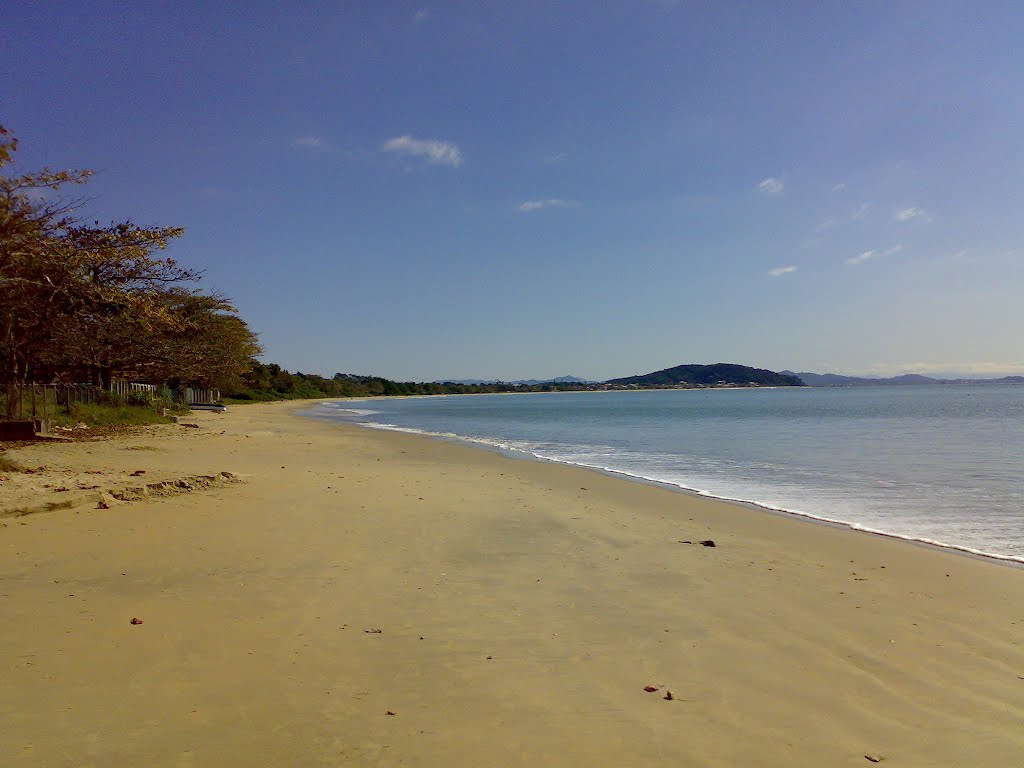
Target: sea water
[942, 464]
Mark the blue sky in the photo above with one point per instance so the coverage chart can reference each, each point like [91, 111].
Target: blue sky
[513, 190]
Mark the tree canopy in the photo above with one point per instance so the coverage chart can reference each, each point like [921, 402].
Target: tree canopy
[92, 301]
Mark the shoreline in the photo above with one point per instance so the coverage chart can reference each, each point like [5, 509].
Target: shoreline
[1012, 561]
[363, 597]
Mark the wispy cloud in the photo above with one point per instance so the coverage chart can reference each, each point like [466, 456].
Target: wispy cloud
[771, 186]
[780, 271]
[909, 214]
[861, 212]
[551, 202]
[433, 151]
[860, 258]
[421, 15]
[310, 142]
[838, 187]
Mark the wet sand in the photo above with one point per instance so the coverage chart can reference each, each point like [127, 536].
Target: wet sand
[357, 597]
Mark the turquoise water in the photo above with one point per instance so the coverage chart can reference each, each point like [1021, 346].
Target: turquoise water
[942, 464]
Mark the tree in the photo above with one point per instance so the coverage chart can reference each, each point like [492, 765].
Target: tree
[101, 299]
[204, 342]
[8, 144]
[36, 276]
[118, 303]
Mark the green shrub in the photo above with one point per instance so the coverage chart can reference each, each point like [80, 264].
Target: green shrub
[138, 398]
[104, 414]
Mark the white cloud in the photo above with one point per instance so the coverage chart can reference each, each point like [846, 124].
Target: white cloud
[908, 214]
[839, 187]
[311, 142]
[771, 186]
[861, 212]
[421, 15]
[537, 205]
[860, 258]
[436, 152]
[780, 271]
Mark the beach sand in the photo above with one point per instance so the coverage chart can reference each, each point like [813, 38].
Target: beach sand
[358, 597]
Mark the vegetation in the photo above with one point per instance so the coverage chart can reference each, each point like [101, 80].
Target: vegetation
[88, 302]
[717, 375]
[108, 414]
[271, 382]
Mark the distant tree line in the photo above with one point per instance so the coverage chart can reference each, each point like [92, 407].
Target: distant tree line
[84, 302]
[269, 381]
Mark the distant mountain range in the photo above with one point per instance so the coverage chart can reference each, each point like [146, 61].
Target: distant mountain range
[836, 380]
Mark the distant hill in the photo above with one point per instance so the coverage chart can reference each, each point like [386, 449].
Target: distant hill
[837, 380]
[718, 374]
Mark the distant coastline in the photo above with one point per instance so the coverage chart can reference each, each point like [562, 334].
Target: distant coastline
[908, 379]
[271, 382]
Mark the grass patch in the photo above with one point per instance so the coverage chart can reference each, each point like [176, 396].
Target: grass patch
[9, 465]
[97, 414]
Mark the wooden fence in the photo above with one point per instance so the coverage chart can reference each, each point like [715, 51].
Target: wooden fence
[41, 401]
[123, 388]
[201, 395]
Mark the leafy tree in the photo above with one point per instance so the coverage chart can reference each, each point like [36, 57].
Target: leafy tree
[37, 277]
[121, 302]
[8, 144]
[102, 299]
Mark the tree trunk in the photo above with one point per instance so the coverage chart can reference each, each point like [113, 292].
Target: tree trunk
[14, 385]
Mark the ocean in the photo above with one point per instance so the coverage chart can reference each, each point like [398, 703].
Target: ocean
[940, 464]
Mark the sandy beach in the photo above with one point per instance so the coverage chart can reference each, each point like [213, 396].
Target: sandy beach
[346, 596]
